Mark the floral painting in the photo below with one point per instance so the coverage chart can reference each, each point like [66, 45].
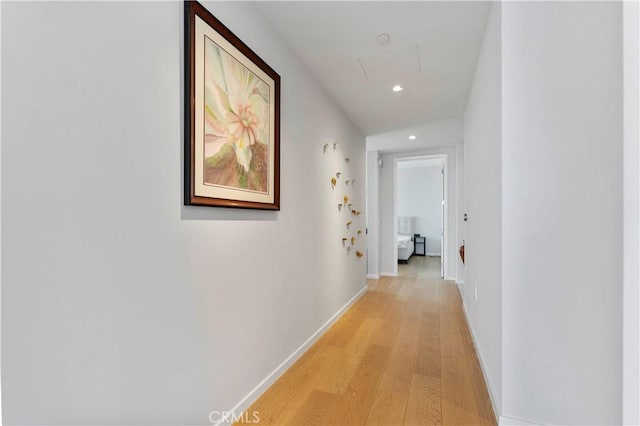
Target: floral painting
[232, 118]
[236, 109]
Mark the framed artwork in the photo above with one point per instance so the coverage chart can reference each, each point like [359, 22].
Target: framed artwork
[232, 118]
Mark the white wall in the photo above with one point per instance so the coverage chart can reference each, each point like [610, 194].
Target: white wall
[631, 158]
[562, 211]
[420, 195]
[373, 211]
[482, 202]
[543, 189]
[460, 236]
[119, 305]
[388, 243]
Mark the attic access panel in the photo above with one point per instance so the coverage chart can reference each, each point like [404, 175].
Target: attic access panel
[392, 65]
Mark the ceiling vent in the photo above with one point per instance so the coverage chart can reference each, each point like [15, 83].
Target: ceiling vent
[392, 65]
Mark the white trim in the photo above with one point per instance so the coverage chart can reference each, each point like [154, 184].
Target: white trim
[252, 396]
[492, 394]
[373, 276]
[510, 421]
[460, 282]
[388, 274]
[434, 254]
[449, 278]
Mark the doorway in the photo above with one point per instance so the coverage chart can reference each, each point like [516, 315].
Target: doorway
[421, 208]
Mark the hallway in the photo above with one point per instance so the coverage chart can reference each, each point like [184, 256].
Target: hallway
[401, 355]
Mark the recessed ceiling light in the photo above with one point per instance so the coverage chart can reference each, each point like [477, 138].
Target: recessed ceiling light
[398, 88]
[412, 137]
[383, 39]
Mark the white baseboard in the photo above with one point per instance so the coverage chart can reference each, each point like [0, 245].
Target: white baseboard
[492, 394]
[450, 278]
[460, 282]
[388, 274]
[434, 254]
[252, 396]
[373, 276]
[510, 421]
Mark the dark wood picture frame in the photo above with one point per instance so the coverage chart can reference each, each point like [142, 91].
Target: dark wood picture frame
[247, 62]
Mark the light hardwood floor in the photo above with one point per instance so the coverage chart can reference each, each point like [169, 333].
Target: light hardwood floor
[401, 355]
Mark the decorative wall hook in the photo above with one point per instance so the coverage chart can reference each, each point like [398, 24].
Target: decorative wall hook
[335, 145]
[325, 148]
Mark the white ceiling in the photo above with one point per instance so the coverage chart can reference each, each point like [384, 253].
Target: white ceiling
[434, 134]
[337, 41]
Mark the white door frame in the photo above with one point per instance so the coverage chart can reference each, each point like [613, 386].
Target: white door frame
[445, 224]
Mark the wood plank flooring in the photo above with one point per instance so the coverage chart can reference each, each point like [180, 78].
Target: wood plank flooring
[401, 355]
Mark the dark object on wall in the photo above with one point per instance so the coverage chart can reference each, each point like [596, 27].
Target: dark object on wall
[461, 251]
[232, 118]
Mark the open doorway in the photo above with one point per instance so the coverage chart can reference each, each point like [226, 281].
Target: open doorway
[420, 209]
